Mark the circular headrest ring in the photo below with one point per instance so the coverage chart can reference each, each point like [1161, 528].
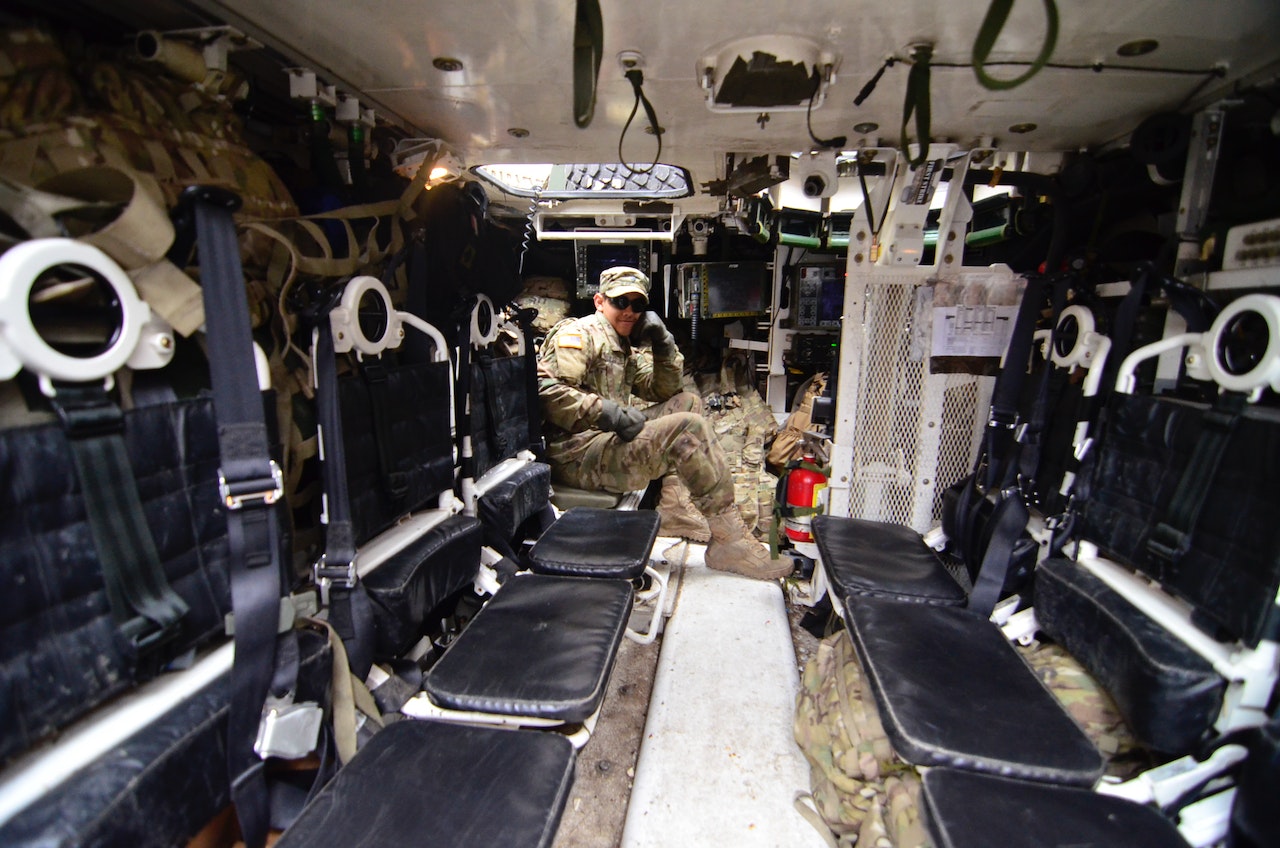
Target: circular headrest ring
[21, 266]
[352, 298]
[1078, 320]
[1230, 322]
[484, 322]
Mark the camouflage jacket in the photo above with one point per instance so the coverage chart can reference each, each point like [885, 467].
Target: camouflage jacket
[582, 362]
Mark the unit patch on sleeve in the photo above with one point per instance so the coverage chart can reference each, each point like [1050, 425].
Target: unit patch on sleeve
[573, 340]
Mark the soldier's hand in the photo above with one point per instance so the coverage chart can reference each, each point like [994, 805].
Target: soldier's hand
[650, 329]
[626, 421]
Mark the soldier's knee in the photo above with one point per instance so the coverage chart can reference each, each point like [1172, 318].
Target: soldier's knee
[687, 402]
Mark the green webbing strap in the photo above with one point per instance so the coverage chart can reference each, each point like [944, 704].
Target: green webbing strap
[990, 30]
[1171, 538]
[917, 101]
[145, 606]
[588, 48]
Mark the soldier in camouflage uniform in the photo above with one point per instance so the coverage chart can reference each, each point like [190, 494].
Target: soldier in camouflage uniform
[587, 372]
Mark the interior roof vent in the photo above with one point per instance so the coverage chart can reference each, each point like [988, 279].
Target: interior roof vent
[766, 72]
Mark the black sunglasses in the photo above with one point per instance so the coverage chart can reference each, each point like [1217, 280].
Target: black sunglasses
[637, 304]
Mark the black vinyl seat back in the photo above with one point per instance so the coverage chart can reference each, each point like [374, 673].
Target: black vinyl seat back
[500, 414]
[399, 448]
[61, 652]
[1231, 572]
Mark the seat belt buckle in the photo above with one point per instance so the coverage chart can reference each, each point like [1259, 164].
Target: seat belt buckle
[1002, 421]
[288, 730]
[327, 576]
[251, 492]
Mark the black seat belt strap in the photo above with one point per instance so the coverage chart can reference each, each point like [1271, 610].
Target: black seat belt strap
[146, 608]
[350, 613]
[1171, 538]
[524, 317]
[249, 482]
[1008, 520]
[1003, 418]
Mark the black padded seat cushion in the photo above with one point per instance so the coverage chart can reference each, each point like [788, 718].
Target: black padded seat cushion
[953, 692]
[164, 783]
[590, 542]
[543, 648]
[1169, 695]
[427, 783]
[877, 559]
[414, 581]
[968, 810]
[521, 495]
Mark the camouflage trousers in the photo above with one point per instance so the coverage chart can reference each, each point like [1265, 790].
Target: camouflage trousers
[676, 439]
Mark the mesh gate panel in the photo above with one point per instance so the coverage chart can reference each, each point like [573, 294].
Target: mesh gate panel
[916, 431]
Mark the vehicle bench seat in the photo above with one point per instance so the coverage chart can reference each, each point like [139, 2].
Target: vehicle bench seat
[543, 647]
[1021, 814]
[877, 559]
[429, 783]
[951, 691]
[590, 542]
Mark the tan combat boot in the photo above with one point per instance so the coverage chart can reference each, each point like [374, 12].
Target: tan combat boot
[733, 549]
[680, 518]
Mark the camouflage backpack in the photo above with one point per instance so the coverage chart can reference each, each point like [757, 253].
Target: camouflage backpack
[860, 791]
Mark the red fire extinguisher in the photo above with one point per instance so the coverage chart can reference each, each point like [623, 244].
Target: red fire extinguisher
[805, 482]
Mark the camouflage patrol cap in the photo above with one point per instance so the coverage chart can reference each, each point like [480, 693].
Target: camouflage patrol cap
[622, 280]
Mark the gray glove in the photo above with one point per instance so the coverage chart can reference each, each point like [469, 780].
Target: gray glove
[651, 329]
[626, 421]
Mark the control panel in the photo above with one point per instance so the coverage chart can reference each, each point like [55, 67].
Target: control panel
[1252, 246]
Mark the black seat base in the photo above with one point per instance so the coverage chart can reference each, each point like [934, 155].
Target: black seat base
[542, 648]
[164, 783]
[968, 810]
[431, 783]
[1169, 695]
[876, 559]
[590, 542]
[953, 692]
[414, 581]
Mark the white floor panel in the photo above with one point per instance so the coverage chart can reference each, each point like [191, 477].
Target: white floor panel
[718, 765]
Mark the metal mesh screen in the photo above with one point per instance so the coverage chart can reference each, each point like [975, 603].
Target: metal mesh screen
[916, 431]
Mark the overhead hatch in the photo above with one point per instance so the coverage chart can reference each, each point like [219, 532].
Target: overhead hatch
[767, 72]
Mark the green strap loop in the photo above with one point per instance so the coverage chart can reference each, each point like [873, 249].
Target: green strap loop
[990, 30]
[917, 101]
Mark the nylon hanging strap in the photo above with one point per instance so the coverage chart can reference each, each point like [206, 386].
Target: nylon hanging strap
[1004, 396]
[349, 607]
[146, 608]
[1171, 538]
[917, 102]
[524, 317]
[250, 483]
[992, 25]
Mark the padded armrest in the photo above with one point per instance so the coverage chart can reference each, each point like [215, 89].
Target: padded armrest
[1169, 695]
[953, 692]
[968, 810]
[877, 559]
[588, 542]
[542, 648]
[428, 783]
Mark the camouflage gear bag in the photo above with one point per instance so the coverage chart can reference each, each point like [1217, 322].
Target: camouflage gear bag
[860, 791]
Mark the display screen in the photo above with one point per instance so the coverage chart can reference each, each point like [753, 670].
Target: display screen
[594, 257]
[831, 302]
[735, 289]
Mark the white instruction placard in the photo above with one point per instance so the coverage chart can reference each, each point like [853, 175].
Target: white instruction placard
[972, 330]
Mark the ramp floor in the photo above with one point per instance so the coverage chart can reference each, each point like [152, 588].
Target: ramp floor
[718, 764]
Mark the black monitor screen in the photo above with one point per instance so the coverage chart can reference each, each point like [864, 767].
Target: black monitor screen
[595, 257]
[831, 303]
[735, 289]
